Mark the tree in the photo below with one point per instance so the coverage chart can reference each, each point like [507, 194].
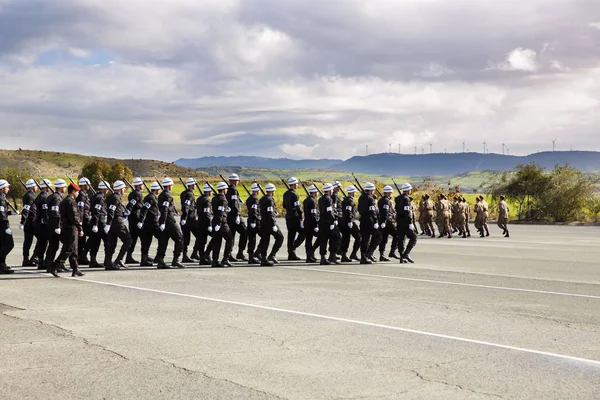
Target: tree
[93, 170]
[16, 189]
[119, 171]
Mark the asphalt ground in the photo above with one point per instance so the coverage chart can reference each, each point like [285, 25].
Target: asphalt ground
[474, 318]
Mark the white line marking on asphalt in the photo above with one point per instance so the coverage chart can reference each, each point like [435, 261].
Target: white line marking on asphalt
[400, 278]
[351, 321]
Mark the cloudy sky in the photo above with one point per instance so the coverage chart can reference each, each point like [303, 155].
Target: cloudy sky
[298, 78]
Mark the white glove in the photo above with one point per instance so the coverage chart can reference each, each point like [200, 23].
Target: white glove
[8, 231]
[335, 222]
[20, 226]
[275, 229]
[95, 229]
[383, 226]
[411, 227]
[217, 228]
[302, 224]
[140, 225]
[331, 227]
[252, 226]
[237, 220]
[210, 228]
[376, 226]
[183, 221]
[350, 225]
[57, 231]
[316, 229]
[106, 228]
[126, 213]
[162, 227]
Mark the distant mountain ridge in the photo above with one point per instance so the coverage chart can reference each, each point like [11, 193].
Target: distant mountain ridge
[255, 162]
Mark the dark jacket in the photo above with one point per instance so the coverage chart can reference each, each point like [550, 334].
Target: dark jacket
[134, 205]
[166, 206]
[252, 203]
[311, 212]
[4, 224]
[188, 205]
[404, 214]
[149, 212]
[337, 202]
[114, 210]
[349, 212]
[367, 209]
[98, 207]
[204, 210]
[28, 215]
[233, 200]
[326, 211]
[53, 202]
[386, 210]
[220, 209]
[41, 207]
[291, 204]
[83, 203]
[69, 214]
[267, 212]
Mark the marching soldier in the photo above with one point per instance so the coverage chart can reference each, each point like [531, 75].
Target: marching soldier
[460, 220]
[406, 223]
[369, 226]
[221, 230]
[234, 219]
[386, 224]
[484, 210]
[429, 207]
[254, 218]
[455, 211]
[169, 227]
[7, 242]
[268, 228]
[329, 233]
[205, 229]
[116, 229]
[71, 231]
[85, 216]
[148, 224]
[467, 212]
[53, 228]
[134, 208]
[503, 216]
[293, 219]
[311, 224]
[40, 227]
[339, 213]
[446, 215]
[98, 222]
[349, 227]
[28, 216]
[189, 218]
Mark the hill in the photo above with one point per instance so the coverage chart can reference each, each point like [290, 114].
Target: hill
[255, 162]
[54, 164]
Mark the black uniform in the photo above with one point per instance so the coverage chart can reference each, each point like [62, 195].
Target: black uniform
[70, 226]
[293, 221]
[337, 208]
[268, 212]
[368, 218]
[233, 216]
[328, 219]
[386, 216]
[7, 242]
[220, 209]
[311, 223]
[172, 230]
[254, 219]
[40, 229]
[405, 218]
[115, 218]
[53, 203]
[190, 216]
[85, 216]
[348, 227]
[98, 208]
[28, 216]
[204, 228]
[134, 208]
[150, 227]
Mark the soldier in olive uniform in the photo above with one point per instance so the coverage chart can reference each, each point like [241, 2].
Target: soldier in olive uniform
[503, 216]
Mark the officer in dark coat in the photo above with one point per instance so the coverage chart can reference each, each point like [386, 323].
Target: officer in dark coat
[41, 223]
[253, 228]
[134, 207]
[293, 219]
[98, 222]
[268, 228]
[348, 226]
[169, 227]
[406, 223]
[116, 229]
[311, 224]
[148, 223]
[6, 238]
[329, 232]
[53, 228]
[234, 219]
[85, 216]
[336, 196]
[369, 226]
[28, 216]
[204, 229]
[221, 230]
[386, 224]
[189, 219]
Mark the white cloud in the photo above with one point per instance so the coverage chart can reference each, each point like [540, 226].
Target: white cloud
[595, 25]
[519, 59]
[434, 71]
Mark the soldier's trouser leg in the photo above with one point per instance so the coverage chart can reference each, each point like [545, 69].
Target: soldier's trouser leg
[308, 241]
[69, 248]
[53, 245]
[177, 236]
[111, 244]
[186, 230]
[193, 227]
[163, 242]
[228, 236]
[27, 240]
[335, 241]
[386, 232]
[278, 236]
[366, 230]
[41, 243]
[83, 241]
[146, 235]
[241, 230]
[346, 234]
[123, 234]
[375, 240]
[7, 243]
[324, 238]
[134, 233]
[295, 235]
[265, 240]
[403, 233]
[252, 233]
[355, 232]
[201, 239]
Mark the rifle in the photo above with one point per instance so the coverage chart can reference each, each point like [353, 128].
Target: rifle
[185, 186]
[160, 184]
[318, 190]
[397, 188]
[358, 183]
[48, 186]
[305, 190]
[284, 182]
[128, 184]
[261, 189]
[13, 207]
[89, 186]
[107, 184]
[22, 183]
[211, 188]
[342, 190]
[146, 186]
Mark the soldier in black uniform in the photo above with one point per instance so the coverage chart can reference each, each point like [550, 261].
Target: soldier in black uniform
[234, 220]
[311, 224]
[28, 216]
[386, 224]
[40, 226]
[85, 216]
[369, 227]
[348, 227]
[116, 229]
[53, 227]
[205, 229]
[98, 223]
[221, 230]
[189, 219]
[293, 219]
[71, 231]
[329, 232]
[148, 223]
[336, 196]
[253, 221]
[406, 223]
[169, 227]
[268, 227]
[7, 242]
[134, 207]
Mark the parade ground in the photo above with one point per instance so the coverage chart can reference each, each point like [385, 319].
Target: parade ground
[476, 318]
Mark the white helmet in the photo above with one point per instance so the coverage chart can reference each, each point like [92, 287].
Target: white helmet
[118, 185]
[351, 189]
[388, 189]
[313, 189]
[4, 183]
[327, 187]
[270, 187]
[336, 184]
[137, 181]
[222, 185]
[167, 181]
[190, 182]
[60, 183]
[255, 187]
[84, 181]
[369, 186]
[154, 186]
[30, 183]
[292, 181]
[103, 185]
[406, 187]
[234, 177]
[45, 183]
[206, 188]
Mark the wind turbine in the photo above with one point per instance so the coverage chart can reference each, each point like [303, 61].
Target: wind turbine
[503, 146]
[430, 148]
[464, 147]
[554, 144]
[389, 148]
[367, 150]
[484, 147]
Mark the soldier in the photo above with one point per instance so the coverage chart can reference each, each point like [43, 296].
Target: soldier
[28, 216]
[254, 218]
[268, 228]
[53, 228]
[467, 211]
[85, 216]
[71, 231]
[169, 227]
[422, 216]
[460, 219]
[369, 226]
[134, 208]
[386, 224]
[329, 233]
[339, 213]
[6, 238]
[503, 216]
[234, 220]
[221, 230]
[116, 229]
[446, 209]
[429, 207]
[406, 223]
[484, 209]
[189, 218]
[349, 227]
[455, 208]
[98, 222]
[205, 229]
[293, 219]
[478, 216]
[148, 224]
[40, 226]
[311, 223]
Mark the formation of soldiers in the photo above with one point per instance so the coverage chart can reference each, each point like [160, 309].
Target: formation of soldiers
[327, 220]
